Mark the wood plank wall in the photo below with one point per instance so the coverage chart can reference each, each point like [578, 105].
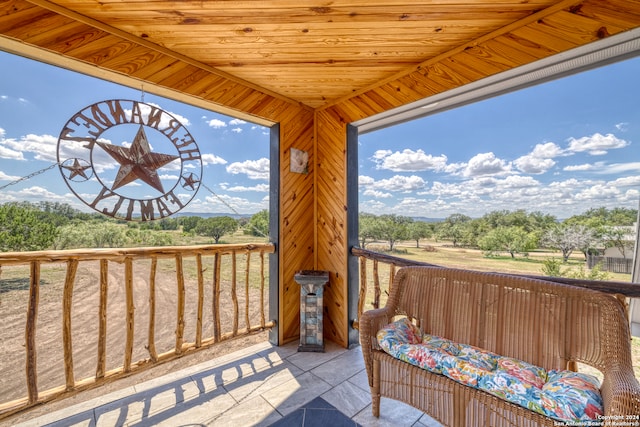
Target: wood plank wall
[331, 221]
[297, 233]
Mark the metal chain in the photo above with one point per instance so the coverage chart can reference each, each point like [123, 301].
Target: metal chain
[31, 175]
[230, 207]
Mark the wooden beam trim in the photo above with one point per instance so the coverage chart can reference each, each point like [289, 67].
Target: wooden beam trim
[485, 38]
[45, 4]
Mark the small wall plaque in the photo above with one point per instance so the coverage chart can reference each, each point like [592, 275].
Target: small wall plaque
[299, 161]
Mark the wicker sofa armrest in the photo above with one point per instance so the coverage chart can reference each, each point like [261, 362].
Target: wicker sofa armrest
[620, 392]
[370, 323]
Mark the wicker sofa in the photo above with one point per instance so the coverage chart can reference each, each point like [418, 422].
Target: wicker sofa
[546, 324]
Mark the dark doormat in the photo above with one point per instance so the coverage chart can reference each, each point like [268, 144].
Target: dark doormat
[317, 413]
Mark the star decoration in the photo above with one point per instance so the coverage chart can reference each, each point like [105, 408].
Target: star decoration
[76, 169]
[190, 181]
[137, 162]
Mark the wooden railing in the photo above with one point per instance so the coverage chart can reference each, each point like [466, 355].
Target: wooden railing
[372, 293]
[114, 309]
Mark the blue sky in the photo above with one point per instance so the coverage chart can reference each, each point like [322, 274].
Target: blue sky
[561, 148]
[37, 100]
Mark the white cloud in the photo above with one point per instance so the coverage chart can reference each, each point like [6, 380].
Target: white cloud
[622, 127]
[254, 169]
[408, 161]
[400, 183]
[486, 164]
[534, 165]
[236, 130]
[5, 177]
[225, 202]
[540, 160]
[627, 181]
[596, 144]
[43, 146]
[235, 122]
[212, 159]
[259, 188]
[579, 168]
[7, 153]
[598, 193]
[365, 180]
[216, 123]
[145, 109]
[615, 168]
[377, 194]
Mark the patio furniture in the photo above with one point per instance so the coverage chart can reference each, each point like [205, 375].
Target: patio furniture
[546, 324]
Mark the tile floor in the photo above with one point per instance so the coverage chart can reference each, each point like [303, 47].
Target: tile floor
[256, 386]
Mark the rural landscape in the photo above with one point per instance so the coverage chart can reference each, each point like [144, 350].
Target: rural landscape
[505, 241]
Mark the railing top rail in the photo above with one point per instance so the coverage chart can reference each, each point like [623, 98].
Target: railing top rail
[628, 289]
[7, 258]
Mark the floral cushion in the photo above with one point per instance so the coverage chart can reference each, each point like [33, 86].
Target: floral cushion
[562, 395]
[572, 395]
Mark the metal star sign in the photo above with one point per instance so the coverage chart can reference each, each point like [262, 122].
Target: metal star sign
[77, 169]
[85, 139]
[137, 162]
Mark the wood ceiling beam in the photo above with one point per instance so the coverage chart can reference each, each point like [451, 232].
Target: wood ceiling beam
[565, 4]
[45, 4]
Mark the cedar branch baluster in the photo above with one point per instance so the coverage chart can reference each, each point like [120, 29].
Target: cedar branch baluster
[128, 284]
[217, 326]
[30, 333]
[392, 275]
[376, 285]
[67, 302]
[363, 286]
[200, 300]
[246, 292]
[234, 294]
[153, 354]
[102, 319]
[262, 316]
[180, 303]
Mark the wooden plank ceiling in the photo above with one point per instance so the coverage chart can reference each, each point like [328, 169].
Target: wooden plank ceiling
[253, 56]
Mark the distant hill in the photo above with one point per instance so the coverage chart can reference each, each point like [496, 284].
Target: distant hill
[239, 216]
[213, 214]
[426, 219]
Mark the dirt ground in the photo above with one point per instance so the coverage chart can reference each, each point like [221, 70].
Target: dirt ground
[85, 324]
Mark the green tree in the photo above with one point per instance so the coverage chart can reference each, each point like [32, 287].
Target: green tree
[617, 237]
[366, 228]
[567, 238]
[512, 239]
[216, 227]
[258, 224]
[105, 234]
[189, 223]
[454, 228]
[419, 230]
[392, 228]
[22, 230]
[73, 235]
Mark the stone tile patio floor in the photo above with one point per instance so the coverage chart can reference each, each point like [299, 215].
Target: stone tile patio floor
[255, 386]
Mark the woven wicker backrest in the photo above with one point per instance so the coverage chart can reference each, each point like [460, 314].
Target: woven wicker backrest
[543, 323]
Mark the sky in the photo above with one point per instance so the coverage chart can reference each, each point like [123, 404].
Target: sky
[559, 148]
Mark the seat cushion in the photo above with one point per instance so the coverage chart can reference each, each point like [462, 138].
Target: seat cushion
[563, 395]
